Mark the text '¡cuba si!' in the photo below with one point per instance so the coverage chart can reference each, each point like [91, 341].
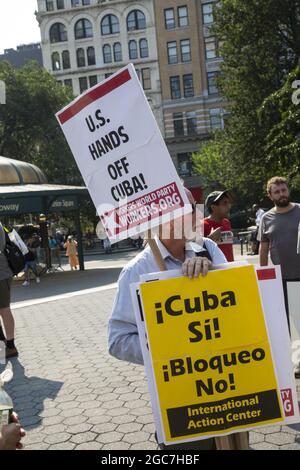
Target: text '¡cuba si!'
[205, 330]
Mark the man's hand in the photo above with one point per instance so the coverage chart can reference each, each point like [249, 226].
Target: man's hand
[11, 435]
[193, 267]
[215, 235]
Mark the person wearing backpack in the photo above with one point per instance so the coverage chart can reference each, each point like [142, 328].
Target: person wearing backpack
[7, 319]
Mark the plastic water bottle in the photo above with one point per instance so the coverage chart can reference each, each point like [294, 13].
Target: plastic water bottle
[6, 404]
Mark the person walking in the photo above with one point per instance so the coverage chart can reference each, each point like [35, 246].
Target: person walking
[71, 252]
[279, 235]
[30, 264]
[257, 213]
[7, 323]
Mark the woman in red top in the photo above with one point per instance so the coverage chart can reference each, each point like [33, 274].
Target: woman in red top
[217, 227]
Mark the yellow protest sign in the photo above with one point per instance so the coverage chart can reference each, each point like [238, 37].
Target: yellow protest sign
[210, 353]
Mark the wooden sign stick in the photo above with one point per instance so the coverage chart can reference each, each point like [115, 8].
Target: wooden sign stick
[237, 441]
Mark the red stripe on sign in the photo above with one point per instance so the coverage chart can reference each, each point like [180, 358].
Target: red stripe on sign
[265, 274]
[93, 95]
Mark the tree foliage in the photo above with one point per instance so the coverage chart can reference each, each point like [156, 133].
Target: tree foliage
[280, 115]
[29, 130]
[260, 46]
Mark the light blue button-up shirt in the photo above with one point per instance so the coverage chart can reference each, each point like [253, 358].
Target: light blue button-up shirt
[123, 339]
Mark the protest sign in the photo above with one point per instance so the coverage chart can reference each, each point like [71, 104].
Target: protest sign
[271, 290]
[122, 156]
[219, 377]
[293, 295]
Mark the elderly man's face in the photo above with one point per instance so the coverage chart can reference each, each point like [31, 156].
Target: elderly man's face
[187, 227]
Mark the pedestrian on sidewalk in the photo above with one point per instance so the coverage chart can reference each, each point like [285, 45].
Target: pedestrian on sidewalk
[257, 213]
[217, 226]
[71, 252]
[123, 336]
[30, 263]
[7, 323]
[279, 234]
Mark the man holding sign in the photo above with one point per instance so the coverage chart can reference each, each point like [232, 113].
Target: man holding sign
[124, 341]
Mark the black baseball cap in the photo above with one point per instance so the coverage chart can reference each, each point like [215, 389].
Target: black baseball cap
[216, 196]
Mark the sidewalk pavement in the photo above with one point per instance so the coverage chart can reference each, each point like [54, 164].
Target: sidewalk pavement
[68, 391]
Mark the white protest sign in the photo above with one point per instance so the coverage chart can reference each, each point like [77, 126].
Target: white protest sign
[293, 294]
[122, 156]
[271, 291]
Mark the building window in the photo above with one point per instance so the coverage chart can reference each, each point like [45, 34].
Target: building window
[55, 61]
[169, 18]
[188, 85]
[216, 121]
[138, 74]
[91, 59]
[172, 52]
[83, 29]
[110, 25]
[185, 48]
[107, 75]
[207, 13]
[210, 48]
[175, 87]
[77, 3]
[68, 83]
[118, 52]
[136, 20]
[58, 33]
[93, 80]
[83, 84]
[49, 5]
[144, 48]
[191, 122]
[60, 4]
[184, 164]
[133, 51]
[183, 19]
[80, 57]
[66, 60]
[146, 78]
[107, 57]
[178, 124]
[212, 82]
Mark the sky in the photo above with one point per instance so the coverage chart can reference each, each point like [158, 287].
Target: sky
[17, 23]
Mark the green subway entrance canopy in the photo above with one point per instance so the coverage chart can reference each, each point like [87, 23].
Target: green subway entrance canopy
[24, 190]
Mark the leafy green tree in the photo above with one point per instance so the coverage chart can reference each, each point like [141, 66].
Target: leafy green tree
[29, 130]
[260, 45]
[280, 115]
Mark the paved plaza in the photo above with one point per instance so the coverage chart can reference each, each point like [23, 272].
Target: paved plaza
[67, 390]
